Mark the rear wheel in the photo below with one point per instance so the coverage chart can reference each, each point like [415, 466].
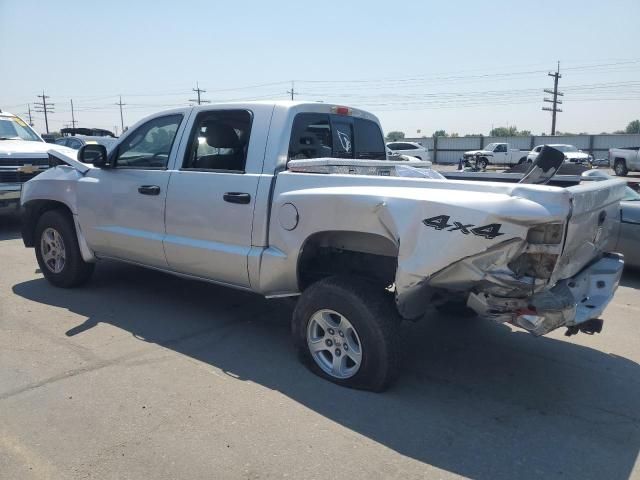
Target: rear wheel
[620, 168]
[347, 331]
[58, 252]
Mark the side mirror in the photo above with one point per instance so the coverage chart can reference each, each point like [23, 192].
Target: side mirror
[95, 154]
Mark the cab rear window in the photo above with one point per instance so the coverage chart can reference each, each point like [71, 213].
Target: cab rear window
[317, 135]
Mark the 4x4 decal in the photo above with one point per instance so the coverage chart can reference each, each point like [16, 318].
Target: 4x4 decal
[440, 222]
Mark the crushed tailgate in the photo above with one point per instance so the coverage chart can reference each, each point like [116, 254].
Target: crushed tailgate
[592, 226]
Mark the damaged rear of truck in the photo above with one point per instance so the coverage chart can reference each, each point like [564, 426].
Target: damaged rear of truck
[534, 256]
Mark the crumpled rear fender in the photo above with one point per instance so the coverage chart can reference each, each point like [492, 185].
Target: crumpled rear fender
[447, 237]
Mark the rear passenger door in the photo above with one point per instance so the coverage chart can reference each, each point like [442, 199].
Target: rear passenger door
[211, 197]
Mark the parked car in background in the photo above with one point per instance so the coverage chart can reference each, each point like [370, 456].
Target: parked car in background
[624, 160]
[495, 154]
[78, 141]
[23, 155]
[628, 242]
[412, 149]
[571, 153]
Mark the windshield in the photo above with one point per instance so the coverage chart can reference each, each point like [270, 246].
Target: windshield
[13, 128]
[491, 147]
[630, 195]
[565, 148]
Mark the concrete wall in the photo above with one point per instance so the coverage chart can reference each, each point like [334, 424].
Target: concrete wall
[450, 150]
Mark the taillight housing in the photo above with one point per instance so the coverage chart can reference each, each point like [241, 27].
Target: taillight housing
[546, 234]
[536, 265]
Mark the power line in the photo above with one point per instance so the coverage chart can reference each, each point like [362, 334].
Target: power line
[554, 108]
[44, 107]
[199, 100]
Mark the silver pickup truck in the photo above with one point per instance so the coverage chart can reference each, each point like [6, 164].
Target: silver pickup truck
[298, 199]
[624, 160]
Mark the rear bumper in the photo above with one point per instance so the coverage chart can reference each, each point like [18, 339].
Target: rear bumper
[10, 198]
[569, 303]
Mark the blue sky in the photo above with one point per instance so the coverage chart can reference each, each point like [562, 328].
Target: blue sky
[460, 66]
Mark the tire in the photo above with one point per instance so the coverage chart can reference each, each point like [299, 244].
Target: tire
[620, 168]
[482, 163]
[522, 160]
[373, 318]
[62, 265]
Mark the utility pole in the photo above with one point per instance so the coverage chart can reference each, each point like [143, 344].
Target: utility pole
[199, 100]
[44, 107]
[29, 113]
[73, 117]
[120, 104]
[293, 89]
[554, 108]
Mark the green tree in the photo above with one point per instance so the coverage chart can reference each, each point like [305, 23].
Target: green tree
[633, 127]
[440, 133]
[395, 136]
[504, 131]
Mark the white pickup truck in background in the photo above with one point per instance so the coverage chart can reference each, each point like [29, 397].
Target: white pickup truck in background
[23, 155]
[298, 199]
[495, 154]
[624, 160]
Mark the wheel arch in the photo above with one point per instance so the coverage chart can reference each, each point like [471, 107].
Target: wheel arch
[34, 209]
[336, 252]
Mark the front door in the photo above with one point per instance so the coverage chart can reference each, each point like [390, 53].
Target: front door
[500, 155]
[211, 198]
[122, 208]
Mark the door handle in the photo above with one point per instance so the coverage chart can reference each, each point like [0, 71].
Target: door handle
[149, 189]
[237, 197]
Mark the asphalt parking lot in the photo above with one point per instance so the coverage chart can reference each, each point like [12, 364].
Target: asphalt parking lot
[144, 375]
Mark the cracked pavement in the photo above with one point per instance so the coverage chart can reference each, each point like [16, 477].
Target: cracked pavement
[144, 375]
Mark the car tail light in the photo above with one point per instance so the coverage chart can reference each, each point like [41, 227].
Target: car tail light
[546, 234]
[537, 265]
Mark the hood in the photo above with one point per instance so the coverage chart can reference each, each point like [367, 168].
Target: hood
[69, 159]
[25, 149]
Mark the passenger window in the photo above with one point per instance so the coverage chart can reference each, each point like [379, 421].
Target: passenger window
[219, 141]
[150, 144]
[501, 149]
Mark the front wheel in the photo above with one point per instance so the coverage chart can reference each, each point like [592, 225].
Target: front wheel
[482, 163]
[620, 168]
[58, 252]
[347, 331]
